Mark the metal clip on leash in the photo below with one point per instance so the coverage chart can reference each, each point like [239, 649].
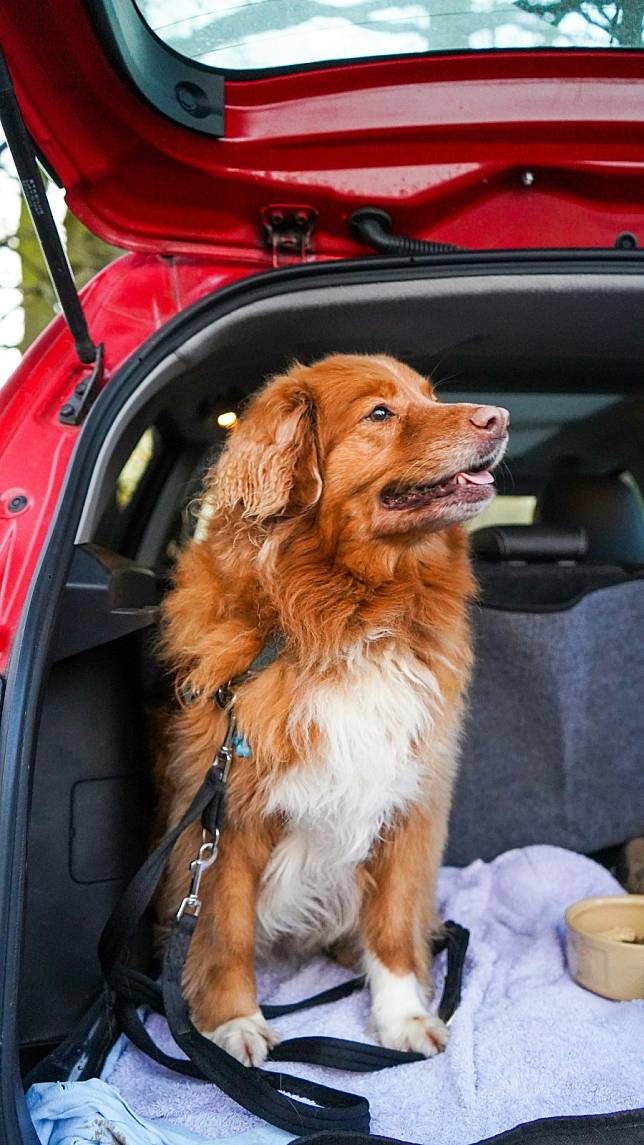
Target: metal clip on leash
[191, 904]
[213, 813]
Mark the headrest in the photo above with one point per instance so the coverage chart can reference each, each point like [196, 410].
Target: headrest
[529, 543]
[605, 507]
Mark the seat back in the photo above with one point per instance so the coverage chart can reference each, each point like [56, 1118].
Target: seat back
[552, 751]
[553, 744]
[536, 566]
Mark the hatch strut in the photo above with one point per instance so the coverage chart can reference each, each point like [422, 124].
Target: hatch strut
[22, 149]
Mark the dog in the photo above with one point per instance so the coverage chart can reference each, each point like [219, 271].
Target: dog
[334, 519]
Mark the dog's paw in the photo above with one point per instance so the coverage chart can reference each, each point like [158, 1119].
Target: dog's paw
[418, 1033]
[248, 1039]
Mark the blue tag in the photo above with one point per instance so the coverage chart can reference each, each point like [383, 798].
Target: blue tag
[242, 747]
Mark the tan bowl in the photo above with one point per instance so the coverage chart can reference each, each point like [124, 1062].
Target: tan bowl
[598, 957]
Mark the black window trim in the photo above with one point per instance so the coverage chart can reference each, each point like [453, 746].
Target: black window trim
[192, 94]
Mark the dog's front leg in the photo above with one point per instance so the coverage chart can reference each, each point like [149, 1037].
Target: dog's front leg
[219, 980]
[396, 921]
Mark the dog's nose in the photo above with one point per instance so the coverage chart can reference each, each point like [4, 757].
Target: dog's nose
[491, 419]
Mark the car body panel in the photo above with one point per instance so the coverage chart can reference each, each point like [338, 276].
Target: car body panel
[442, 141]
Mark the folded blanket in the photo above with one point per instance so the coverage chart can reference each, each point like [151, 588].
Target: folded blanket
[526, 1041]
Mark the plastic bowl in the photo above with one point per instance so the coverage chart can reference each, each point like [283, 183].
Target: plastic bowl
[602, 955]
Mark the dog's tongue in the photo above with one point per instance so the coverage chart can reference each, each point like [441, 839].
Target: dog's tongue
[482, 478]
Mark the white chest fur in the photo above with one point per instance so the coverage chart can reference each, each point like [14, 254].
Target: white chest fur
[369, 726]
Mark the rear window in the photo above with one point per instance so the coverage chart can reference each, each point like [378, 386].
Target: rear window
[257, 34]
[506, 509]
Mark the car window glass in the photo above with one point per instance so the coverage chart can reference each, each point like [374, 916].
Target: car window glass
[505, 510]
[233, 34]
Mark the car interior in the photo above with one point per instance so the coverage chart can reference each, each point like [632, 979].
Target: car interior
[552, 748]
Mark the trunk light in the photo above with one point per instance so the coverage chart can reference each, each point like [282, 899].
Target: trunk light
[227, 420]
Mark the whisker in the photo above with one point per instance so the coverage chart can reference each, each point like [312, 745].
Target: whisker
[437, 365]
[437, 385]
[507, 472]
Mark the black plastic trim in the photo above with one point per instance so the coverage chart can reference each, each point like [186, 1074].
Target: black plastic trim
[106, 596]
[373, 227]
[32, 648]
[182, 89]
[83, 1053]
[623, 1127]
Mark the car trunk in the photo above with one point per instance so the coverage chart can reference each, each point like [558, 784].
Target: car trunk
[535, 331]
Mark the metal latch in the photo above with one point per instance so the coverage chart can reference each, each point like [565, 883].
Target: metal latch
[288, 230]
[84, 393]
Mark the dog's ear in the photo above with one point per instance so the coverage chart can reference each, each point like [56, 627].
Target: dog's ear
[270, 461]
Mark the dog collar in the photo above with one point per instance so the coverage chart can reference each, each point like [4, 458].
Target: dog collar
[224, 695]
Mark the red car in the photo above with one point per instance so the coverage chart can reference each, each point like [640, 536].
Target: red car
[476, 210]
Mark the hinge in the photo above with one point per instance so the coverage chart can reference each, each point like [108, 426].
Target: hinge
[84, 393]
[288, 230]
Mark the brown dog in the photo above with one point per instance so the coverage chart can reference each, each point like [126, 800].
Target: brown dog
[334, 521]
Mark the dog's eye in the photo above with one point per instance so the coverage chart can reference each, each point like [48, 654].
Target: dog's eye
[380, 413]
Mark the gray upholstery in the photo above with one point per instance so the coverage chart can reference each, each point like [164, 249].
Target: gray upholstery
[541, 586]
[554, 744]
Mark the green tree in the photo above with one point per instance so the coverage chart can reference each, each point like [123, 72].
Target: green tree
[622, 22]
[38, 297]
[87, 254]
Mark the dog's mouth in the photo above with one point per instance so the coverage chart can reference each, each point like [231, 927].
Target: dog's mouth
[471, 486]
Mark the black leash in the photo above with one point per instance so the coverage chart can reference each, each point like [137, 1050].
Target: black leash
[270, 1095]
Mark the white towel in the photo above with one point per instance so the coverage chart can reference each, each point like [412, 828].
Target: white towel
[526, 1041]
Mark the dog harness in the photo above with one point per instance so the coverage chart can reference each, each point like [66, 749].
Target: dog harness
[273, 1096]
